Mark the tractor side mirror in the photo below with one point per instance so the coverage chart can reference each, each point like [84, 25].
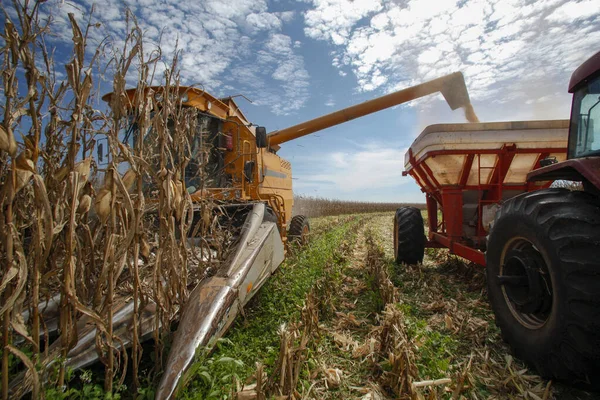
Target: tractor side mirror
[261, 137]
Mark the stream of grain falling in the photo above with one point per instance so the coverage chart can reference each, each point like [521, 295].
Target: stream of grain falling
[470, 113]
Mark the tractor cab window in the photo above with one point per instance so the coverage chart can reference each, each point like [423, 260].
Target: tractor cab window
[584, 138]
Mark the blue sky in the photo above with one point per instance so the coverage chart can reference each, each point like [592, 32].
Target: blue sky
[300, 59]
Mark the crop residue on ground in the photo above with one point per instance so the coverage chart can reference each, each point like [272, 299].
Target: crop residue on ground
[362, 327]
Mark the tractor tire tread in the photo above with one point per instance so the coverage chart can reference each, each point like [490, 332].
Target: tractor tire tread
[567, 222]
[410, 235]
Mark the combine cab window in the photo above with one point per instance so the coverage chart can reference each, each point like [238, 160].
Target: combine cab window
[584, 138]
[206, 164]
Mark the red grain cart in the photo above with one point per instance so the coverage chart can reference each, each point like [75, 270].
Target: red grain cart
[466, 172]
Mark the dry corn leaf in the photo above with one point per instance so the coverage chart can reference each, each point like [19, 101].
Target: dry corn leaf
[449, 323]
[129, 179]
[9, 276]
[18, 324]
[249, 393]
[348, 320]
[83, 169]
[369, 347]
[31, 370]
[435, 306]
[23, 177]
[61, 174]
[102, 204]
[144, 248]
[24, 161]
[345, 342]
[333, 377]
[372, 396]
[7, 141]
[169, 187]
[178, 199]
[19, 284]
[85, 202]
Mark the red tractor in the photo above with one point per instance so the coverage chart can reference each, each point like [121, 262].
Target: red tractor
[540, 245]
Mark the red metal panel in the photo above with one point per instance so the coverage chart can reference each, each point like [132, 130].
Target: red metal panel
[430, 174]
[505, 157]
[443, 240]
[452, 207]
[476, 256]
[432, 213]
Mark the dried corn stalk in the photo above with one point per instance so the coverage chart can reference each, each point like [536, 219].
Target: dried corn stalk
[84, 236]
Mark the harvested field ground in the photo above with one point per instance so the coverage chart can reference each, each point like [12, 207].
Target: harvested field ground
[341, 321]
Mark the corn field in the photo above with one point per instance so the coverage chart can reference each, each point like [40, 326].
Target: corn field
[320, 207]
[95, 240]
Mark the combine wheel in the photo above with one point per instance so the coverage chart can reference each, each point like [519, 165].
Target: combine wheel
[299, 230]
[409, 235]
[543, 277]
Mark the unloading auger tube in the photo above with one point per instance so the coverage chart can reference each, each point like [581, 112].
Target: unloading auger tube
[451, 86]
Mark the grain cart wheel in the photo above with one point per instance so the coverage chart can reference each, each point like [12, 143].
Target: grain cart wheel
[543, 277]
[409, 235]
[299, 230]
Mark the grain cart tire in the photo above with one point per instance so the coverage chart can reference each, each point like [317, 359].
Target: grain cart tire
[409, 236]
[299, 229]
[543, 278]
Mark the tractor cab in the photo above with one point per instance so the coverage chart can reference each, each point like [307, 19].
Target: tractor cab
[584, 134]
[583, 163]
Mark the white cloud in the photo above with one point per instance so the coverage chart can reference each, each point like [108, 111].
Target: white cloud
[264, 21]
[504, 47]
[333, 19]
[286, 16]
[574, 10]
[330, 101]
[278, 61]
[213, 38]
[375, 167]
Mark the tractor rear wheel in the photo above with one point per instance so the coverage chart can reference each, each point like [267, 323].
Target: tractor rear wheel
[409, 236]
[543, 277]
[299, 229]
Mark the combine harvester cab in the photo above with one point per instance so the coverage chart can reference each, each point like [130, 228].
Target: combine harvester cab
[540, 245]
